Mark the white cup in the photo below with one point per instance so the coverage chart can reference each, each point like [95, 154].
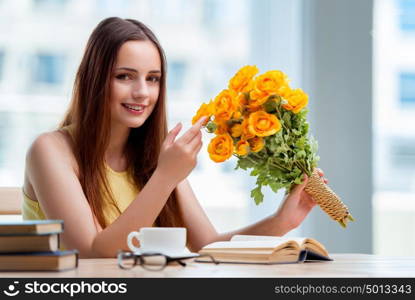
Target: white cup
[166, 240]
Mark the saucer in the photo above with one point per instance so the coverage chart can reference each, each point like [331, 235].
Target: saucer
[173, 254]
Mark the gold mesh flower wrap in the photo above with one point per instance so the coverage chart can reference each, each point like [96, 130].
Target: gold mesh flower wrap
[329, 202]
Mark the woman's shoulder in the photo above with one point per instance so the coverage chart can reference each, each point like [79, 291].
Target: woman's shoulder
[54, 146]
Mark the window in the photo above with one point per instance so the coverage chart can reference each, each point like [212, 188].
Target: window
[49, 4]
[177, 72]
[118, 8]
[407, 15]
[173, 11]
[1, 64]
[394, 144]
[407, 89]
[48, 68]
[217, 14]
[403, 155]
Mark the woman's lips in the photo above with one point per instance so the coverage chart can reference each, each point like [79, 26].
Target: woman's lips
[133, 108]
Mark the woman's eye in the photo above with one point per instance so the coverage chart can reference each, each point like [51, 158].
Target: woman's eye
[123, 76]
[154, 79]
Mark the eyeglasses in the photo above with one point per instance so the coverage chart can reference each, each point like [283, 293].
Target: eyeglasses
[151, 261]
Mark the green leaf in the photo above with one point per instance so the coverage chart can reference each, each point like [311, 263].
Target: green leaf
[298, 180]
[257, 195]
[275, 186]
[244, 164]
[287, 119]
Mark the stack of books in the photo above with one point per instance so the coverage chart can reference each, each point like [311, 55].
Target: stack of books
[34, 246]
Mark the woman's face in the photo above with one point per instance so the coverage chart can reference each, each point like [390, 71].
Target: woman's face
[135, 83]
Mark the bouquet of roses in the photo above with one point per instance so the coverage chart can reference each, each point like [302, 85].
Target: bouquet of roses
[262, 121]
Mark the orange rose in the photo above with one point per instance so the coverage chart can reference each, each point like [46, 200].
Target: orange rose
[204, 110]
[270, 82]
[246, 133]
[242, 148]
[236, 130]
[220, 148]
[267, 84]
[263, 124]
[237, 115]
[241, 81]
[257, 98]
[224, 105]
[241, 100]
[254, 108]
[297, 99]
[256, 144]
[221, 127]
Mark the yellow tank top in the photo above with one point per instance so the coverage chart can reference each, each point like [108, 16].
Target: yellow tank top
[122, 187]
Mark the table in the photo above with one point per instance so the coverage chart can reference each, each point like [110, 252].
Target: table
[344, 265]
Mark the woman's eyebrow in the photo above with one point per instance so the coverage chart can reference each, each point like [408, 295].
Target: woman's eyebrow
[127, 69]
[134, 70]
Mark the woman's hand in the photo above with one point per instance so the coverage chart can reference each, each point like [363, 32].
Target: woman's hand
[178, 157]
[296, 206]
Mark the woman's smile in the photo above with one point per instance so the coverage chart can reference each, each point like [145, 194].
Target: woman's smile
[136, 109]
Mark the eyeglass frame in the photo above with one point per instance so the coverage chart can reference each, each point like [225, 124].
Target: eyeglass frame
[169, 259]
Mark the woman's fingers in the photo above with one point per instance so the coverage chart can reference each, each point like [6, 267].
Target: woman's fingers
[173, 133]
[300, 187]
[195, 142]
[321, 174]
[192, 132]
[198, 147]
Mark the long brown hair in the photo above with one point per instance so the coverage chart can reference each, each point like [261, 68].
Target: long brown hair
[89, 115]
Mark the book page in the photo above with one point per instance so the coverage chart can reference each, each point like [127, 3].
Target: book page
[314, 245]
[273, 244]
[239, 237]
[304, 243]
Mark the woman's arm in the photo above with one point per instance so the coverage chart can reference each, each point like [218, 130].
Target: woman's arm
[60, 193]
[201, 232]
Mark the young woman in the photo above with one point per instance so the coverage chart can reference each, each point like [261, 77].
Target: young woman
[112, 168]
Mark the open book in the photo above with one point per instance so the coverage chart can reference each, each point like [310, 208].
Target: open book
[265, 250]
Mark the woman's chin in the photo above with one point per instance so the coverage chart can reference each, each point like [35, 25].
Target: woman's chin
[131, 123]
[136, 123]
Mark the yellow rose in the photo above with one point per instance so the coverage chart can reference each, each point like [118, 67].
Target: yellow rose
[242, 148]
[265, 85]
[241, 100]
[236, 130]
[254, 108]
[237, 115]
[246, 133]
[256, 144]
[297, 100]
[270, 82]
[257, 98]
[204, 110]
[221, 127]
[263, 124]
[220, 148]
[241, 80]
[224, 105]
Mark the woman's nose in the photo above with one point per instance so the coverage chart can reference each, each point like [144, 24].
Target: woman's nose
[140, 89]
